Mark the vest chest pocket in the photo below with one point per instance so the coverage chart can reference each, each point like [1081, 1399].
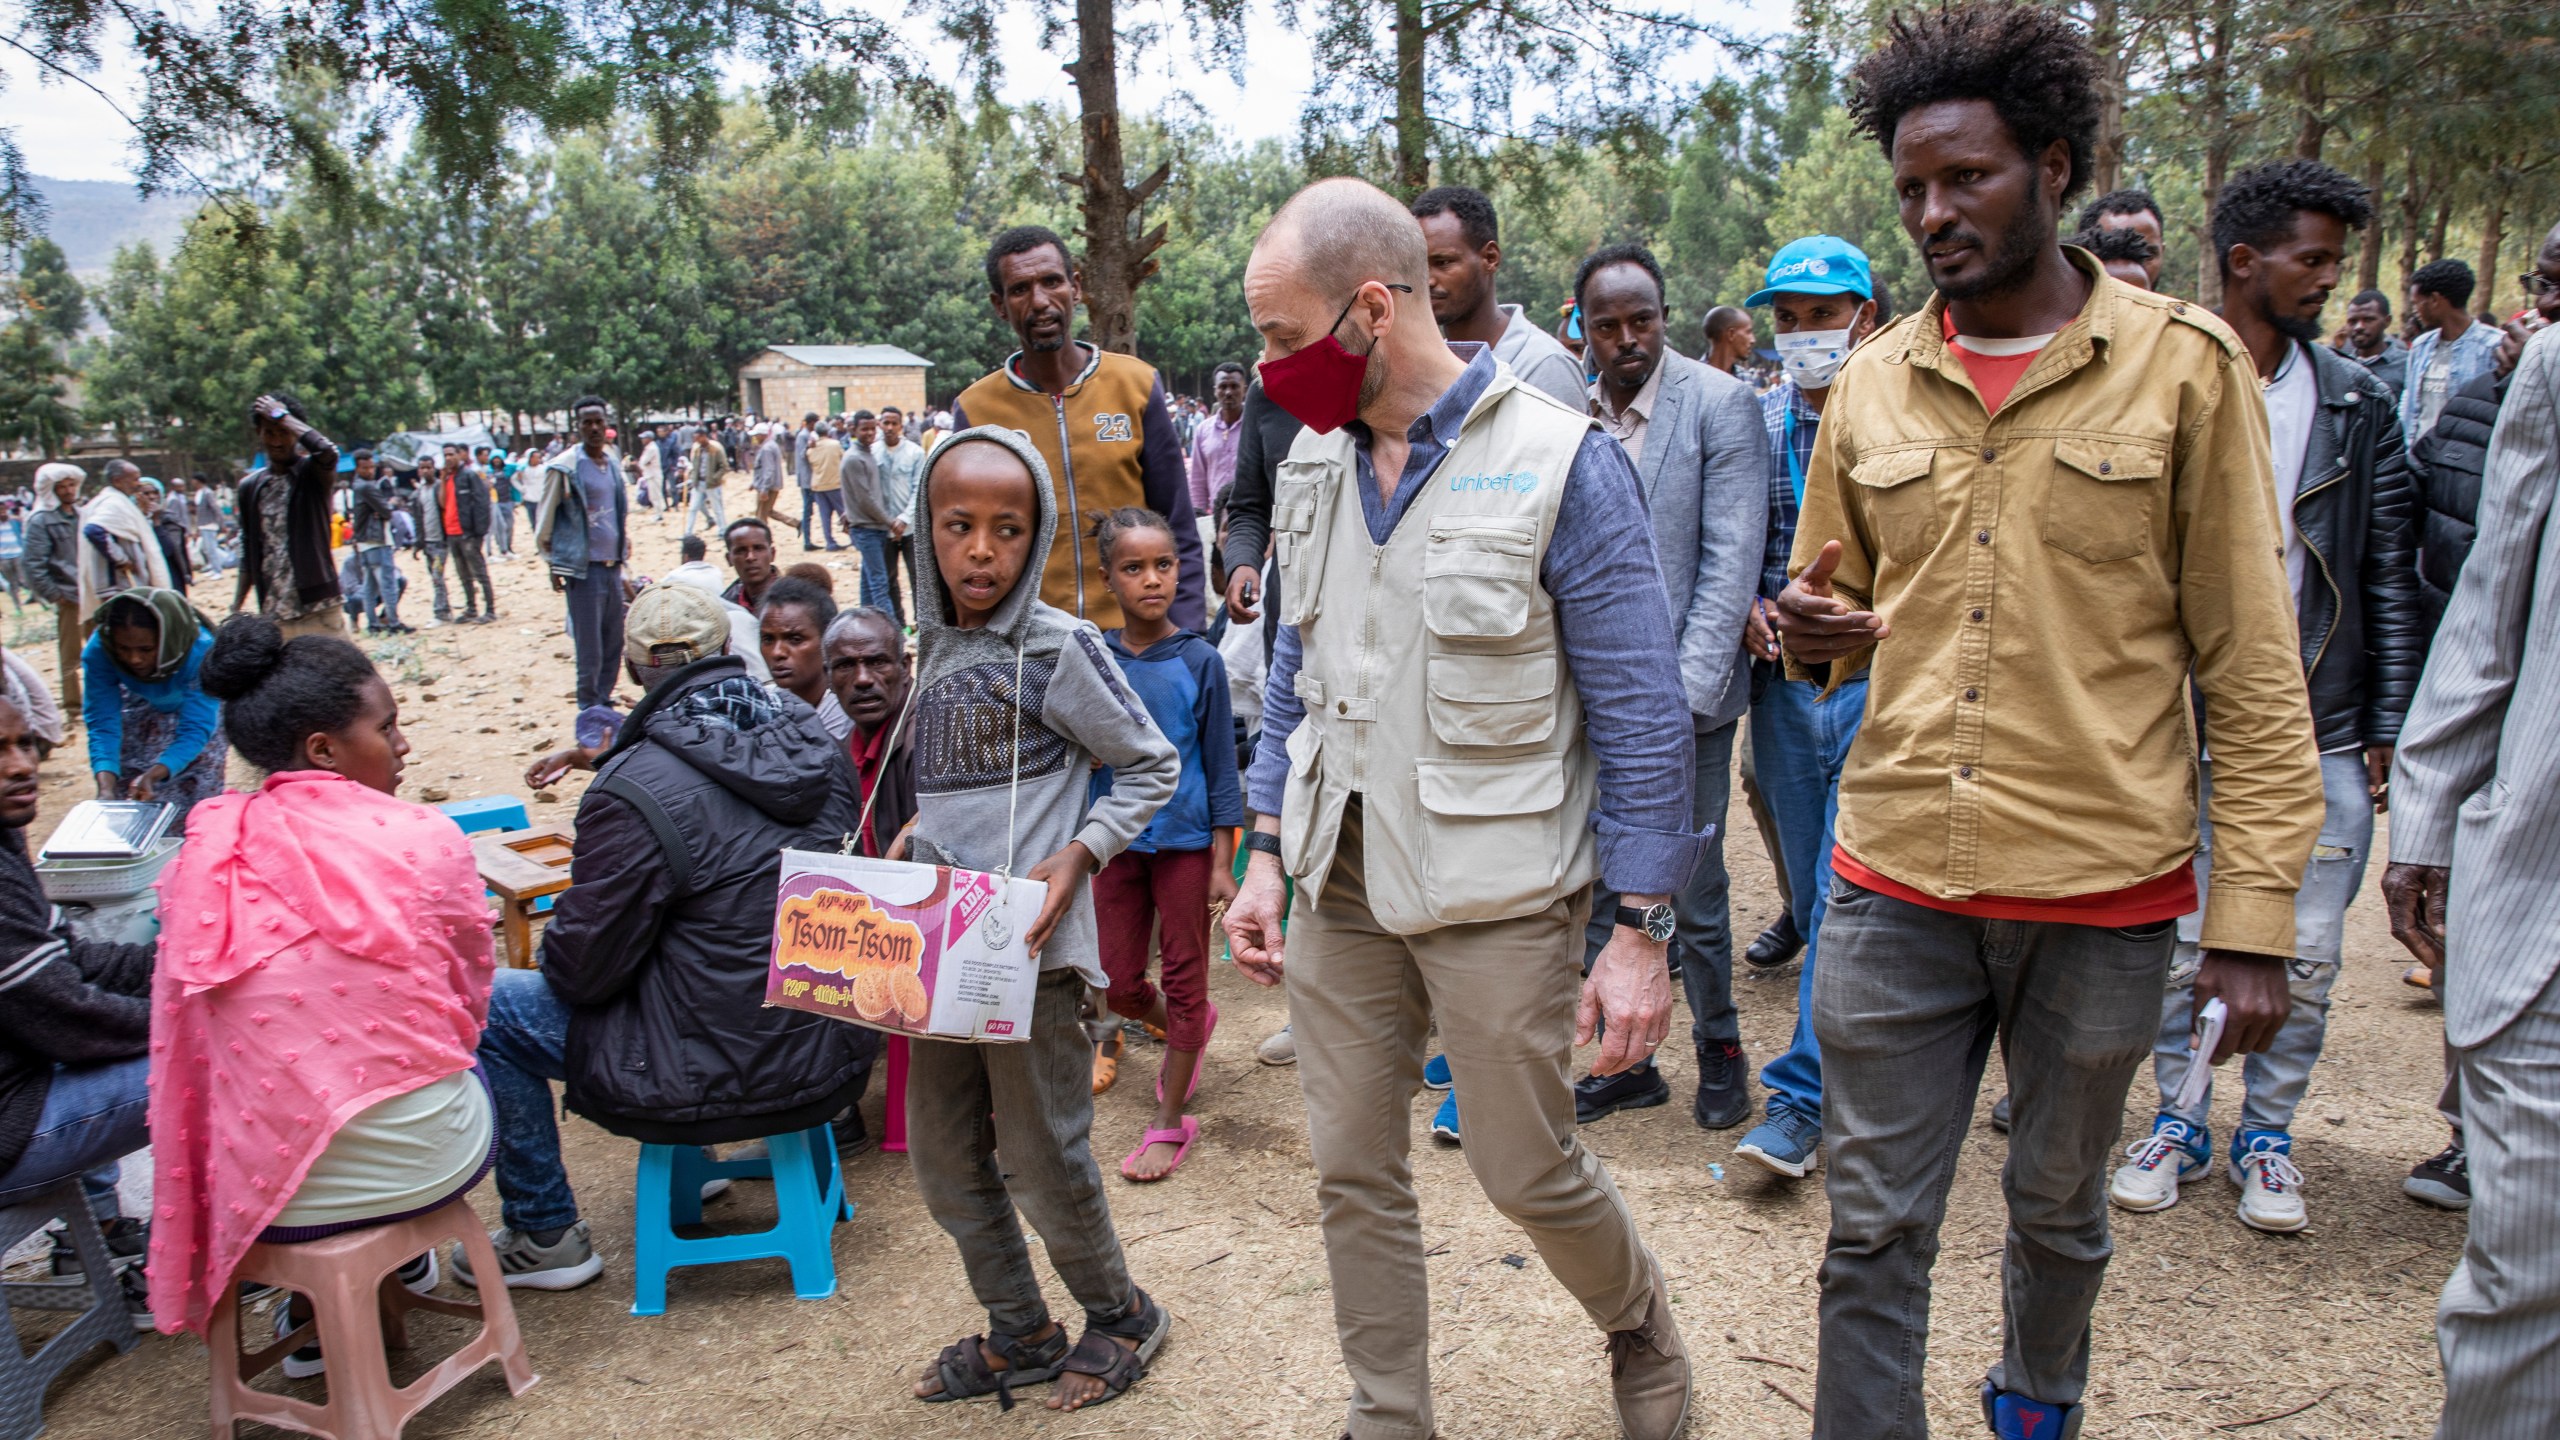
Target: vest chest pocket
[1476, 574]
[1901, 506]
[2098, 504]
[1491, 848]
[1301, 499]
[1492, 699]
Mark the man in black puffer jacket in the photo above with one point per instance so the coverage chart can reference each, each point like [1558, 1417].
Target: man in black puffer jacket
[2448, 460]
[649, 1001]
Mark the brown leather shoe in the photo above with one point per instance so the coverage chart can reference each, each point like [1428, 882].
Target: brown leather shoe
[1649, 1372]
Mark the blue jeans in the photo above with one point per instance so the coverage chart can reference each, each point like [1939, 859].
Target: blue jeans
[524, 1048]
[382, 585]
[873, 547]
[831, 513]
[93, 1116]
[1702, 934]
[1799, 741]
[2276, 1077]
[807, 506]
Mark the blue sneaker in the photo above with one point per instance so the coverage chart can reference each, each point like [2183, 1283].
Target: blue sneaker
[1785, 1142]
[2270, 1186]
[1435, 1073]
[2148, 1181]
[1444, 1126]
[2013, 1416]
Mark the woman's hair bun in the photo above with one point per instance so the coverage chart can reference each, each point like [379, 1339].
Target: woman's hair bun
[246, 650]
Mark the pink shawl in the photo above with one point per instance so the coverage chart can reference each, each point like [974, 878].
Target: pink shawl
[323, 947]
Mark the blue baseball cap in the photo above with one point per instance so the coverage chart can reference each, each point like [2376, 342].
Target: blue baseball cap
[1816, 265]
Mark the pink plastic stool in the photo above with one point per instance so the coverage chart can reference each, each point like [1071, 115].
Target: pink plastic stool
[894, 1141]
[359, 1306]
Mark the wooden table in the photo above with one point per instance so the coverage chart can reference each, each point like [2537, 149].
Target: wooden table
[522, 867]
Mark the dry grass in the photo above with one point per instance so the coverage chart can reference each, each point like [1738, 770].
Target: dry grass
[2205, 1326]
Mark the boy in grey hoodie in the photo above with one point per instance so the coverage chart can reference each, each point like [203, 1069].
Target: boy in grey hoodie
[1014, 704]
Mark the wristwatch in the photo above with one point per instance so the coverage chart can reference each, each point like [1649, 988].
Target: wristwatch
[1268, 844]
[1654, 920]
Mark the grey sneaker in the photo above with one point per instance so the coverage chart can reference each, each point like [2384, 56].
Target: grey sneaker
[1281, 1048]
[564, 1264]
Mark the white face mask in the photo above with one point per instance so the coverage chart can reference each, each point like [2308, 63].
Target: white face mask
[1812, 357]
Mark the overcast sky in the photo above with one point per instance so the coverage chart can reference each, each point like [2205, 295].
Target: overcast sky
[70, 134]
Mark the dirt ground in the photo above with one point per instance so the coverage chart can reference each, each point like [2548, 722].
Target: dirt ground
[2205, 1327]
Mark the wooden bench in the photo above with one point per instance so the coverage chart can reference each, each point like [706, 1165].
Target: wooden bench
[522, 868]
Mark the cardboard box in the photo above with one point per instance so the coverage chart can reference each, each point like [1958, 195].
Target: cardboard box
[923, 950]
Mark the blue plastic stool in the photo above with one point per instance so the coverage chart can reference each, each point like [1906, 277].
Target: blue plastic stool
[808, 1193]
[487, 812]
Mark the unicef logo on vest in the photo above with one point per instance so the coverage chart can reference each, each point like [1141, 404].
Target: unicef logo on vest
[1518, 482]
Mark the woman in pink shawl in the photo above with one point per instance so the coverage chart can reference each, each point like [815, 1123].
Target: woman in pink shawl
[323, 977]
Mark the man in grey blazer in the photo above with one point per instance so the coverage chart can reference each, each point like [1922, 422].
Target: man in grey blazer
[2474, 890]
[1701, 455]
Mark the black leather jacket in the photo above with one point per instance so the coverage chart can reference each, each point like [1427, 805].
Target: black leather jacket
[2447, 465]
[2363, 636]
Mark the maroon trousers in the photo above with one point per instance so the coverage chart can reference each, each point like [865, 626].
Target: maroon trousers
[1134, 895]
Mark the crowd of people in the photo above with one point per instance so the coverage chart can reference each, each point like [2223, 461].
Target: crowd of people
[2066, 637]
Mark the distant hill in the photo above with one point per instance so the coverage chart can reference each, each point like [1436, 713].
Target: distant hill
[92, 219]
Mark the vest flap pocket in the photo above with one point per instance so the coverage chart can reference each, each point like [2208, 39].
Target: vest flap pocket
[1883, 472]
[1492, 699]
[1527, 785]
[1476, 574]
[1304, 744]
[2105, 460]
[1300, 497]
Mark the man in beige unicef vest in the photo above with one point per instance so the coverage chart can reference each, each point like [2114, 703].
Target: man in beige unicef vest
[1474, 710]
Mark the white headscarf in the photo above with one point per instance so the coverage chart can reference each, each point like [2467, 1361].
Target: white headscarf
[50, 475]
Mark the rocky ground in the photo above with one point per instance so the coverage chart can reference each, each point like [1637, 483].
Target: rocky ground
[2206, 1327]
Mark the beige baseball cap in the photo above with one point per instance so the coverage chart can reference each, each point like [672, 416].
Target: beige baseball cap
[673, 624]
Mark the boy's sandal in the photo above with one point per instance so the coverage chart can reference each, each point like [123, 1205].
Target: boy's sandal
[1180, 1136]
[966, 1374]
[1100, 1354]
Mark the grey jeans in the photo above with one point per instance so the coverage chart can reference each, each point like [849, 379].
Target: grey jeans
[2277, 1076]
[1906, 1005]
[595, 632]
[1033, 1102]
[1701, 950]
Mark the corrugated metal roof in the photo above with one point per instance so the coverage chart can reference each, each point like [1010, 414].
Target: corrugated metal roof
[840, 356]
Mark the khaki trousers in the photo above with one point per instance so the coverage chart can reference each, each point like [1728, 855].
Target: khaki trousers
[1360, 1003]
[329, 619]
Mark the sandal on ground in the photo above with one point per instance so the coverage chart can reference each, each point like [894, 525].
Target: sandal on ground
[1181, 1136]
[1106, 1062]
[966, 1375]
[2418, 977]
[1100, 1354]
[1199, 1062]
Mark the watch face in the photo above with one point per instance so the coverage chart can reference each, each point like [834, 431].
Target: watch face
[1659, 922]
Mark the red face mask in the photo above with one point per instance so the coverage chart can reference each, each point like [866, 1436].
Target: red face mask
[1320, 385]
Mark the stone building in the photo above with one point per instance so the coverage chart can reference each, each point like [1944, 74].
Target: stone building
[785, 382]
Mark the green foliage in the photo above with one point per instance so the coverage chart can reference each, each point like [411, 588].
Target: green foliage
[1840, 186]
[49, 292]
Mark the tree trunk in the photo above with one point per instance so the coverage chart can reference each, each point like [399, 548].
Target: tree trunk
[2369, 261]
[1115, 261]
[2435, 237]
[2493, 235]
[1413, 117]
[2115, 64]
[2314, 130]
[2413, 220]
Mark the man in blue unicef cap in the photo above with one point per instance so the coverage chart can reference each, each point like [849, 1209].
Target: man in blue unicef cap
[1821, 296]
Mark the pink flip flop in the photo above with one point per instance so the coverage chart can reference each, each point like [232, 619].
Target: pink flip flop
[1198, 1065]
[1182, 1135]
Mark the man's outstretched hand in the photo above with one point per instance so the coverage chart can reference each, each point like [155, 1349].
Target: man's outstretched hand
[1817, 626]
[1253, 922]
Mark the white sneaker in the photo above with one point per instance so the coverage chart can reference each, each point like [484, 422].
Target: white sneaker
[2149, 1182]
[2270, 1187]
[1279, 1048]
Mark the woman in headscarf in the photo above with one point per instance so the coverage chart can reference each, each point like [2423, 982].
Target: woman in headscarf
[154, 734]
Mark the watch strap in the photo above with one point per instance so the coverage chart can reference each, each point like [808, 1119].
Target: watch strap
[1631, 917]
[1263, 841]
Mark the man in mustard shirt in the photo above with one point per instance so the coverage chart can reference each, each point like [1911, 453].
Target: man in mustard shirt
[2035, 508]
